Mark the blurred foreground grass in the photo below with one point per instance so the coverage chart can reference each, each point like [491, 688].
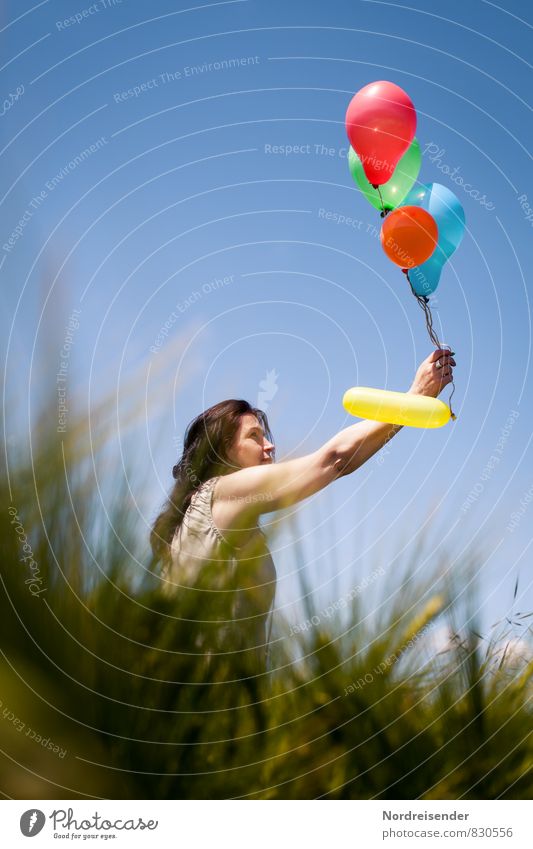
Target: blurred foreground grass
[102, 695]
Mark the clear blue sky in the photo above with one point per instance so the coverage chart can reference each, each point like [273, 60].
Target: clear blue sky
[183, 187]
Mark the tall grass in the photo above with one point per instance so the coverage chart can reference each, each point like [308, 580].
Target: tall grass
[103, 666]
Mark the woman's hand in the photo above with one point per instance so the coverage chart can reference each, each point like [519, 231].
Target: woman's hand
[434, 373]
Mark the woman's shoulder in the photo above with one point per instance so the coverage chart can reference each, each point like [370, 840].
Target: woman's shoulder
[204, 492]
[199, 516]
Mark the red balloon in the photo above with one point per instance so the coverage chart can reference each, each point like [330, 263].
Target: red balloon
[381, 124]
[409, 236]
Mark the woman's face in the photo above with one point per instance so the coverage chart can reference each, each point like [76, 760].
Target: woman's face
[250, 445]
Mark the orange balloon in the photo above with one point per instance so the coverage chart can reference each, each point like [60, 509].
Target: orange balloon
[409, 236]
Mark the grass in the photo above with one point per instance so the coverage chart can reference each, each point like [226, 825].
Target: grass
[103, 667]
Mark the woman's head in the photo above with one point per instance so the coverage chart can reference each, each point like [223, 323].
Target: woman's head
[230, 435]
[226, 437]
[252, 443]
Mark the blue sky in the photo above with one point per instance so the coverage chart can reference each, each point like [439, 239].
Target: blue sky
[170, 171]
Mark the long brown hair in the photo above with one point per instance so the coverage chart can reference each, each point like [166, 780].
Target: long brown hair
[207, 441]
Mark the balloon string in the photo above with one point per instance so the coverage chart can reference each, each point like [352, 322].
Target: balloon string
[383, 210]
[423, 303]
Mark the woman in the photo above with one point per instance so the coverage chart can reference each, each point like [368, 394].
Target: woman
[208, 538]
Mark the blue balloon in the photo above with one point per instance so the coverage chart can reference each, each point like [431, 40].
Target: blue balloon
[449, 214]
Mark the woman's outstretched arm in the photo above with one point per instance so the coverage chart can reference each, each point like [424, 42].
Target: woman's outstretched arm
[262, 489]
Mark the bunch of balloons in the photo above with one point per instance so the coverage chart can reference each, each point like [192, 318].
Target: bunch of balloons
[423, 225]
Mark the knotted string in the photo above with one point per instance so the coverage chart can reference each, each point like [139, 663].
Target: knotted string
[384, 211]
[423, 303]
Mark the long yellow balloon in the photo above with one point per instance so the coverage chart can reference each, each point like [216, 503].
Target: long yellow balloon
[401, 408]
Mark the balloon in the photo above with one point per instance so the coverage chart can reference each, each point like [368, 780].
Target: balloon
[395, 189]
[409, 236]
[381, 124]
[400, 408]
[449, 214]
[424, 278]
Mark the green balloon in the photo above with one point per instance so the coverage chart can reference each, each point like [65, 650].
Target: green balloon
[399, 185]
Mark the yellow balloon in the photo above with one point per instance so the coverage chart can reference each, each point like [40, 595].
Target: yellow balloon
[400, 408]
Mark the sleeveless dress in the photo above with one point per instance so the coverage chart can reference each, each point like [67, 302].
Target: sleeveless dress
[233, 586]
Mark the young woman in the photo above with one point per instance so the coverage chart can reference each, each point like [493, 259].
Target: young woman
[208, 538]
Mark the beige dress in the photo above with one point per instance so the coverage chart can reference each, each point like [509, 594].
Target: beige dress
[233, 585]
